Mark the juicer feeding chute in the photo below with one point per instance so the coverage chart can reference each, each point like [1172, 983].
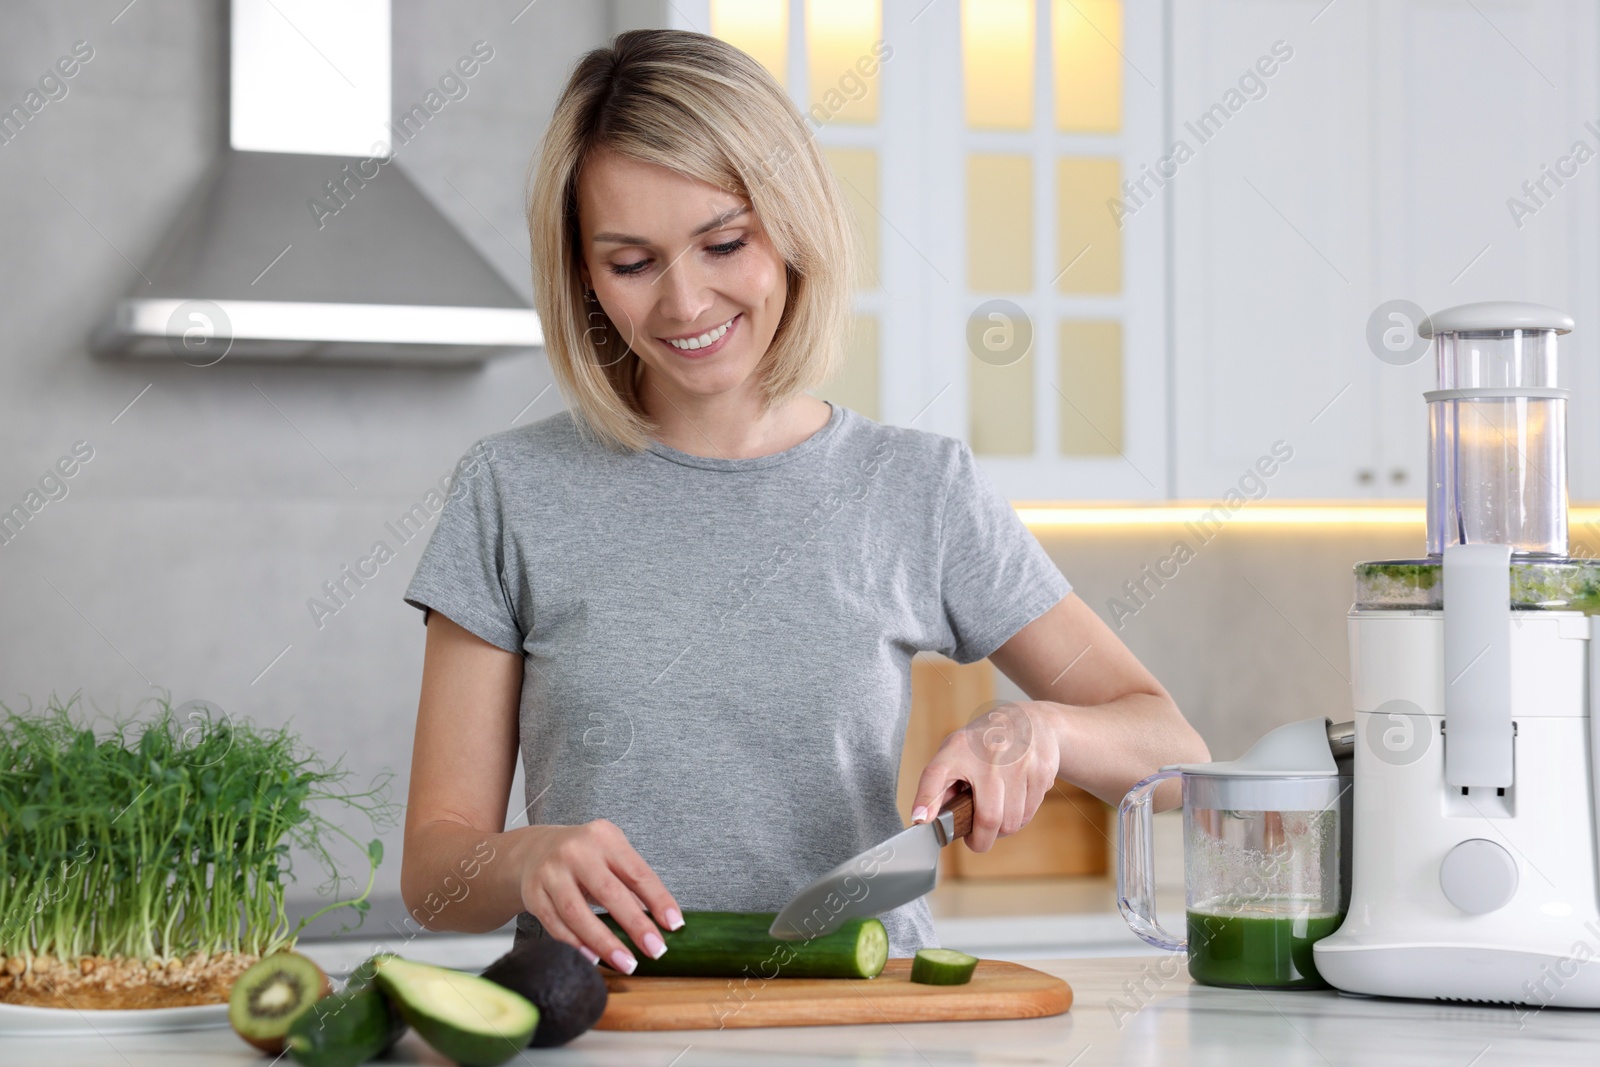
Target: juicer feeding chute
[1497, 429]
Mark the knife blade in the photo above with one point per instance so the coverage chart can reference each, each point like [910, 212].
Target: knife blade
[883, 877]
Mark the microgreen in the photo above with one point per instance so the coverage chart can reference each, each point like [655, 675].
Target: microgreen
[163, 837]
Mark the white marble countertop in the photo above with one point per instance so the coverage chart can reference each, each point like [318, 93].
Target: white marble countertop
[1132, 1010]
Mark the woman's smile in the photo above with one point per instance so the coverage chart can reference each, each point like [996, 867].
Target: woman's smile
[698, 345]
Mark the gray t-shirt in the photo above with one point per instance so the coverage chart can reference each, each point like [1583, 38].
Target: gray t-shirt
[717, 652]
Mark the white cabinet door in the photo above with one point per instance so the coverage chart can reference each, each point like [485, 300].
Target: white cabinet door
[1379, 165]
[1272, 246]
[1481, 195]
[1134, 466]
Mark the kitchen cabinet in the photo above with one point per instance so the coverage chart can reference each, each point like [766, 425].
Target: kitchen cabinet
[1069, 835]
[1379, 162]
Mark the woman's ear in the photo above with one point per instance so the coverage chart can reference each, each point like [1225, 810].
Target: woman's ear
[583, 275]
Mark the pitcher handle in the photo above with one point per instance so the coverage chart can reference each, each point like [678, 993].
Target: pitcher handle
[1136, 884]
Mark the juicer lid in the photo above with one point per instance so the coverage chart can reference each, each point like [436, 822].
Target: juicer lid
[1298, 750]
[1493, 316]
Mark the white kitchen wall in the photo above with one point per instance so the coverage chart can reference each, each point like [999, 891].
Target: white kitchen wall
[186, 549]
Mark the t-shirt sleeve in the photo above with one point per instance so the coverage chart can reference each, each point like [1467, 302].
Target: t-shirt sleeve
[994, 576]
[462, 572]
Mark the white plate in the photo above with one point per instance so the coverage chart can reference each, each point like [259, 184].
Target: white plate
[20, 1020]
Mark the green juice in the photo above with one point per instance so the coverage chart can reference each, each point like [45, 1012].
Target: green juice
[1257, 951]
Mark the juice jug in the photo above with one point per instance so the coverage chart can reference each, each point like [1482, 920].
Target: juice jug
[1266, 858]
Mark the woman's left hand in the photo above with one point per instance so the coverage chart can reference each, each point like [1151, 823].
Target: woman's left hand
[1010, 756]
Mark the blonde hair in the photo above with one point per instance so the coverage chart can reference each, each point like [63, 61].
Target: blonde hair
[701, 107]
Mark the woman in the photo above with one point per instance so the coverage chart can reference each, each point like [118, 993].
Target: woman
[693, 600]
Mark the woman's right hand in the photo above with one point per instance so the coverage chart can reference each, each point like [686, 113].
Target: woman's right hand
[563, 869]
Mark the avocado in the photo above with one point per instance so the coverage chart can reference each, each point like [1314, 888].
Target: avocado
[472, 1020]
[566, 988]
[345, 1029]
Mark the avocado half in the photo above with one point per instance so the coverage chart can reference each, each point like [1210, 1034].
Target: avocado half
[475, 1022]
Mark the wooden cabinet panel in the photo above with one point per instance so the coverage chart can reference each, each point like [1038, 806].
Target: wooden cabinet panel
[1068, 835]
[945, 695]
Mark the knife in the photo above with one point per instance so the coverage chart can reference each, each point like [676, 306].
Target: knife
[883, 877]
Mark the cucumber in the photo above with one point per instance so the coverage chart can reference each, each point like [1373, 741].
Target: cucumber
[345, 1029]
[735, 944]
[469, 1019]
[942, 966]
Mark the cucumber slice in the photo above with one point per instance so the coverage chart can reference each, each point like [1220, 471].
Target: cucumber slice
[735, 944]
[469, 1019]
[942, 966]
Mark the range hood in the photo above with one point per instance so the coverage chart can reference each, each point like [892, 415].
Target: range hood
[306, 241]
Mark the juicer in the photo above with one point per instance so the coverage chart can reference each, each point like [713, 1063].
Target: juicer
[1474, 674]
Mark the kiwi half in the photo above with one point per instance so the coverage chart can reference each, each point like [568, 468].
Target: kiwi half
[269, 996]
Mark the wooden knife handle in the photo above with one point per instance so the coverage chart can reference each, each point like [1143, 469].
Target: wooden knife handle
[960, 806]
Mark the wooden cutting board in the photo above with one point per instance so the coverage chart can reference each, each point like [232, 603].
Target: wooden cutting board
[998, 990]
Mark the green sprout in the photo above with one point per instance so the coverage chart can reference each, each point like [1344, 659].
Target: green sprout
[163, 837]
